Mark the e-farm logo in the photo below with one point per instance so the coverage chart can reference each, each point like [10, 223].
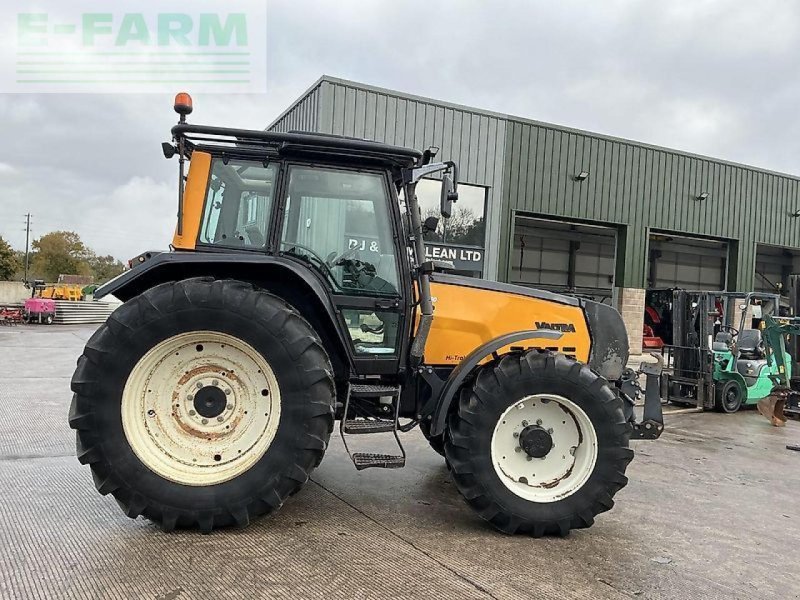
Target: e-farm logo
[128, 49]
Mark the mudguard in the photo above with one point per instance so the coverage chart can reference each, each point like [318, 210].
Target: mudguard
[160, 267]
[447, 391]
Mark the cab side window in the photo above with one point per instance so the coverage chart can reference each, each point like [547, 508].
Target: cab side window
[338, 221]
[238, 203]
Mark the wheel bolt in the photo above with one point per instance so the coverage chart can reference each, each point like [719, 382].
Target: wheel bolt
[550, 431]
[214, 382]
[524, 423]
[230, 406]
[220, 419]
[516, 435]
[517, 449]
[199, 385]
[189, 397]
[192, 413]
[204, 421]
[538, 421]
[530, 458]
[227, 392]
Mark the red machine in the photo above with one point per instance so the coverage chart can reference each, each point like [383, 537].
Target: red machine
[10, 316]
[650, 340]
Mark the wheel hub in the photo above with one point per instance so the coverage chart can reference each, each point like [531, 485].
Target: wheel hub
[535, 441]
[201, 408]
[544, 447]
[210, 401]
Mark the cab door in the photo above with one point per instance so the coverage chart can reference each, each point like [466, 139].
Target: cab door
[342, 223]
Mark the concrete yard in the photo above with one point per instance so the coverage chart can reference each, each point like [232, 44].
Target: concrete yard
[711, 511]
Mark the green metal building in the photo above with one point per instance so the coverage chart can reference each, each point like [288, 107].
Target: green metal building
[569, 210]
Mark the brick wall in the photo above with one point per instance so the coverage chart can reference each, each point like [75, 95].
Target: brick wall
[631, 307]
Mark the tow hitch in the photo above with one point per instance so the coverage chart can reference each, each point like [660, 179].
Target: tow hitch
[652, 424]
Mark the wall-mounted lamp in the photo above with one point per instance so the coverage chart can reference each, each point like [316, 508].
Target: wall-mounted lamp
[702, 196]
[795, 213]
[583, 175]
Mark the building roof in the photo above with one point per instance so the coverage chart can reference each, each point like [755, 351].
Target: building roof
[516, 119]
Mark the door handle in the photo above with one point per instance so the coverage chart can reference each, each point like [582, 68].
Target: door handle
[386, 304]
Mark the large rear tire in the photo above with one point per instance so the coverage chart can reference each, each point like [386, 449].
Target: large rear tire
[539, 444]
[202, 403]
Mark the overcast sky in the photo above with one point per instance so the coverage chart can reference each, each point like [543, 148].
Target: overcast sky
[711, 77]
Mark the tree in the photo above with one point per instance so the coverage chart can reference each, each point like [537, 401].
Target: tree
[60, 252]
[9, 265]
[461, 228]
[105, 268]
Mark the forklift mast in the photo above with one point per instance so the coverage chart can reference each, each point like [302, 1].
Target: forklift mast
[793, 347]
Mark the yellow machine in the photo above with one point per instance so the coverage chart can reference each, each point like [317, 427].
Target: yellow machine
[60, 291]
[298, 293]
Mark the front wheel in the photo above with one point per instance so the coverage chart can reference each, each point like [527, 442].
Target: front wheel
[202, 403]
[435, 442]
[728, 397]
[539, 444]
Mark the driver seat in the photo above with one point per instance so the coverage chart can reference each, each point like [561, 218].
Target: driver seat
[751, 346]
[752, 357]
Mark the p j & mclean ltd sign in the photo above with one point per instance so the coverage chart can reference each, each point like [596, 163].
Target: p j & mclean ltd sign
[463, 258]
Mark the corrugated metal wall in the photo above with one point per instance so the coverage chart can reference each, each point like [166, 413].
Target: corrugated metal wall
[474, 140]
[639, 188]
[302, 115]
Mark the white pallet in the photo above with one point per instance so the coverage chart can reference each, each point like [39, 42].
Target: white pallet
[81, 313]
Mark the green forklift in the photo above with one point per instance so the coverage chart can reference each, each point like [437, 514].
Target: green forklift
[720, 358]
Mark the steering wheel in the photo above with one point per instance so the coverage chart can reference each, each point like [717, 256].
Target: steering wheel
[733, 331]
[334, 259]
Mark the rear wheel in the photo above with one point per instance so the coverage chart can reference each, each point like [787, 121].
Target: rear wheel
[539, 444]
[728, 397]
[202, 404]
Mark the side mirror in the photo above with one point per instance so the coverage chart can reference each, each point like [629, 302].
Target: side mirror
[449, 195]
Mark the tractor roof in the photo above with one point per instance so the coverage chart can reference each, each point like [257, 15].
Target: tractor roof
[314, 145]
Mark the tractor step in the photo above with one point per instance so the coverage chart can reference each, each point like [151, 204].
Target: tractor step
[365, 460]
[355, 426]
[366, 390]
[363, 421]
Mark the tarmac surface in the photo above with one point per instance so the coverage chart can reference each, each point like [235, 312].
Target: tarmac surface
[711, 511]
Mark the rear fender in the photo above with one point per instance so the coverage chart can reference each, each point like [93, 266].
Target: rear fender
[444, 398]
[280, 275]
[725, 376]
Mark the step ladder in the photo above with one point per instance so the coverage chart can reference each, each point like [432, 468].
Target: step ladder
[364, 425]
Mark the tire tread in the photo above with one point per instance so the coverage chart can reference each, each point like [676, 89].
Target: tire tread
[224, 295]
[492, 380]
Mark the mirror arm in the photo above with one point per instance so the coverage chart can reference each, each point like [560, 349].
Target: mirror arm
[414, 175]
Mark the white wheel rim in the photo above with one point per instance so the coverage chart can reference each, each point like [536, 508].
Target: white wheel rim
[566, 466]
[201, 408]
